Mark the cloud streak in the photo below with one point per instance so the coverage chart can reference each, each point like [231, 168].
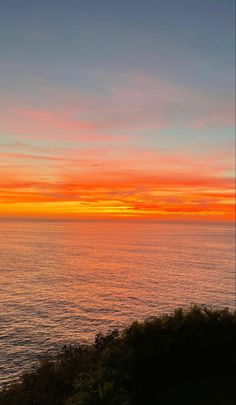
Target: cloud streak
[84, 155]
[113, 191]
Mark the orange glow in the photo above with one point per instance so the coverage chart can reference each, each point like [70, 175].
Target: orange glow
[118, 194]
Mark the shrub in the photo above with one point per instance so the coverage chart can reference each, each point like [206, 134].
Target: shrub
[187, 357]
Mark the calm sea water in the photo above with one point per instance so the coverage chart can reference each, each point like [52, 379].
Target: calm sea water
[63, 282]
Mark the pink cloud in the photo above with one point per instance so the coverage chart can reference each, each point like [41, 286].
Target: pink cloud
[33, 123]
[137, 101]
[216, 162]
[220, 116]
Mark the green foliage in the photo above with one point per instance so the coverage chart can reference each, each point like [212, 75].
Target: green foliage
[188, 357]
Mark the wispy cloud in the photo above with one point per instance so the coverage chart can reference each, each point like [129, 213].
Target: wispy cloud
[137, 101]
[177, 188]
[83, 152]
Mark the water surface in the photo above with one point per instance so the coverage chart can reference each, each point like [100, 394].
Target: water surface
[66, 281]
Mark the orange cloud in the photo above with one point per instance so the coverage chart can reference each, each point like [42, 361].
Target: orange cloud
[119, 193]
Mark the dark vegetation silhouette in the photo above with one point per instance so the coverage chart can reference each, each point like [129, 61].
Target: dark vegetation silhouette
[188, 357]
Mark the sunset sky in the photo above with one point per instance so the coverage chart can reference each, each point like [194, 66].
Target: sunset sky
[117, 109]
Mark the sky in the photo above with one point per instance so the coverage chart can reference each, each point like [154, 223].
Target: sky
[117, 109]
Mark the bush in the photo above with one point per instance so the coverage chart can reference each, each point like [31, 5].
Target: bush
[184, 358]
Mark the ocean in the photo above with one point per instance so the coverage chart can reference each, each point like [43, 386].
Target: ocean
[63, 282]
